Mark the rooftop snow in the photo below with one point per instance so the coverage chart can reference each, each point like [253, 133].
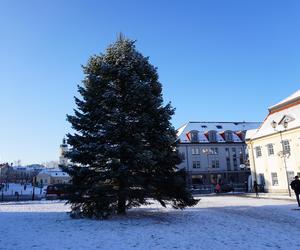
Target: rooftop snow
[295, 96]
[55, 173]
[203, 127]
[290, 112]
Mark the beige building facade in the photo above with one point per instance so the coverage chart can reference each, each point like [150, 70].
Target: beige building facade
[274, 148]
[50, 177]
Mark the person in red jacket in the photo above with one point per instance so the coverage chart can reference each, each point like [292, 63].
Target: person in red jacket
[218, 188]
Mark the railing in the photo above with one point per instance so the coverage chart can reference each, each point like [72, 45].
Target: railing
[209, 188]
[23, 197]
[203, 189]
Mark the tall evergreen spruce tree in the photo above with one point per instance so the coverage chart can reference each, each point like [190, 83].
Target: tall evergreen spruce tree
[123, 149]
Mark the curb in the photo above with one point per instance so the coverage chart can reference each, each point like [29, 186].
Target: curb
[268, 197]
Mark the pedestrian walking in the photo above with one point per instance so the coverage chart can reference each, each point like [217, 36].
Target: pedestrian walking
[218, 188]
[255, 187]
[295, 185]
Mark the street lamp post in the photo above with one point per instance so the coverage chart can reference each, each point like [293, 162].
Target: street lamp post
[188, 168]
[285, 125]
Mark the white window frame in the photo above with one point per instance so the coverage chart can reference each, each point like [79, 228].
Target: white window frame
[212, 136]
[228, 136]
[215, 163]
[274, 178]
[258, 151]
[195, 151]
[194, 136]
[233, 150]
[286, 146]
[290, 176]
[270, 148]
[196, 164]
[214, 151]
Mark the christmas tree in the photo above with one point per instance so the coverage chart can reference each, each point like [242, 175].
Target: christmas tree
[124, 148]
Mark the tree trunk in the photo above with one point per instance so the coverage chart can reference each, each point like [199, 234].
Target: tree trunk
[121, 205]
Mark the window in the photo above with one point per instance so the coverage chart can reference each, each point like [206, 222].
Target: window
[195, 151]
[228, 159]
[290, 175]
[241, 155]
[198, 179]
[194, 136]
[270, 149]
[274, 179]
[203, 126]
[227, 153]
[215, 164]
[182, 156]
[258, 151]
[286, 147]
[219, 126]
[228, 164]
[234, 159]
[212, 136]
[233, 152]
[228, 136]
[214, 151]
[196, 164]
[261, 179]
[235, 164]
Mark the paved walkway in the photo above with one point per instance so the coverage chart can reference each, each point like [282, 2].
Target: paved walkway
[271, 196]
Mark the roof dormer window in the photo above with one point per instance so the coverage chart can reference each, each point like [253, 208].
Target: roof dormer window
[212, 136]
[228, 136]
[194, 136]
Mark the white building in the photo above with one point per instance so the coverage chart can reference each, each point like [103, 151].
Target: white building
[62, 154]
[213, 151]
[274, 147]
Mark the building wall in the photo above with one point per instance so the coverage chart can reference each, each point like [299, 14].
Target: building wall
[60, 180]
[43, 178]
[206, 160]
[267, 164]
[47, 179]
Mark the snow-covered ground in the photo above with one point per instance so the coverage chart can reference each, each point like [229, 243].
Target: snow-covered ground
[217, 222]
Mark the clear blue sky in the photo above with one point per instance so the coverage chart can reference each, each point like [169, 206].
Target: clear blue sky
[217, 60]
